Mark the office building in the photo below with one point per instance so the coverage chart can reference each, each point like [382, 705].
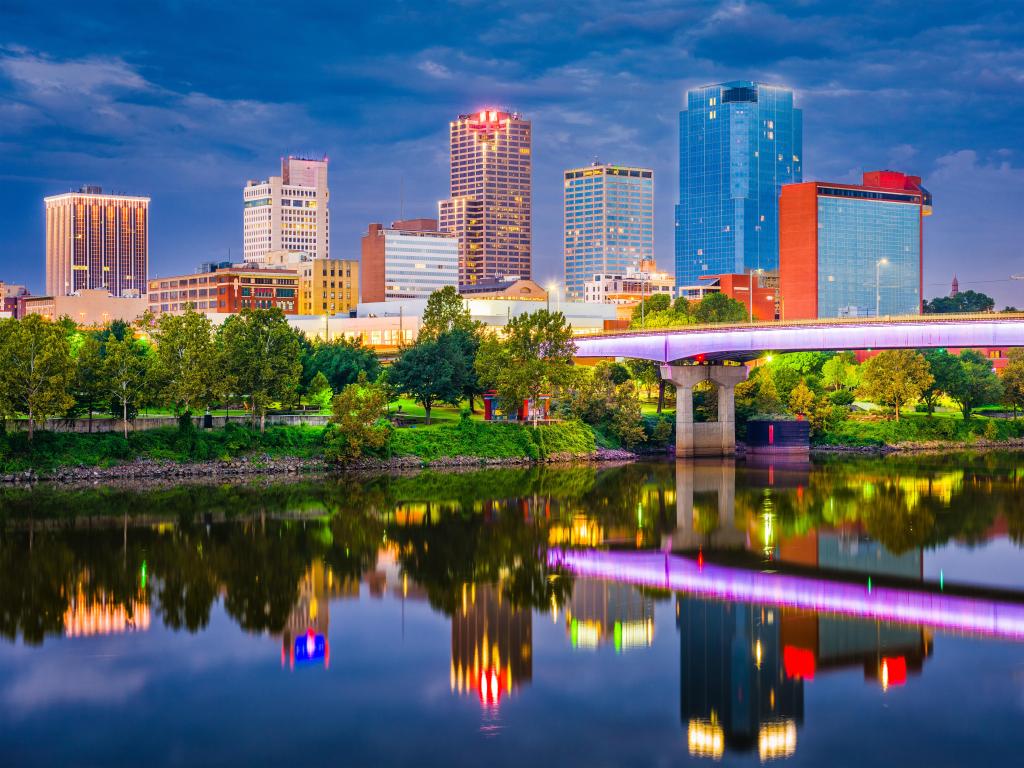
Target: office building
[96, 241]
[849, 250]
[288, 212]
[227, 290]
[739, 143]
[489, 208]
[761, 288]
[512, 288]
[326, 286]
[13, 297]
[629, 288]
[609, 222]
[408, 260]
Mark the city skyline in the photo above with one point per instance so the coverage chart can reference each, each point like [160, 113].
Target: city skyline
[189, 137]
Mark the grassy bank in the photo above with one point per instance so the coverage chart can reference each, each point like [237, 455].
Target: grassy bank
[493, 441]
[50, 450]
[918, 429]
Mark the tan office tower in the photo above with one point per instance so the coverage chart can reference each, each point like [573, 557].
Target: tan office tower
[96, 241]
[490, 203]
[288, 212]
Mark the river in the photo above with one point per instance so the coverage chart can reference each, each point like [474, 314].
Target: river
[853, 611]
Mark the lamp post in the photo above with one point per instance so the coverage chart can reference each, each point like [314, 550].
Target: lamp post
[878, 287]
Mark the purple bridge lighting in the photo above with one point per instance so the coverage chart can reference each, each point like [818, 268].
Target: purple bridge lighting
[900, 606]
[746, 342]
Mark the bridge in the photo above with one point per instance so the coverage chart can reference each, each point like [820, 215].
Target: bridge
[693, 354]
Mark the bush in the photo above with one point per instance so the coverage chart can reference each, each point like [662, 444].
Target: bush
[843, 397]
[493, 440]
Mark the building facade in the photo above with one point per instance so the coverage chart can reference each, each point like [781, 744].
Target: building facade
[739, 143]
[13, 297]
[630, 287]
[288, 212]
[96, 241]
[89, 308]
[850, 250]
[326, 286]
[227, 291]
[513, 289]
[490, 203]
[609, 222]
[760, 288]
[409, 260]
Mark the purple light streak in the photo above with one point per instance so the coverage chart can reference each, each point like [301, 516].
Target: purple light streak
[900, 606]
[681, 344]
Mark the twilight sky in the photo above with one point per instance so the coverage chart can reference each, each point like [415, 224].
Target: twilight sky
[184, 101]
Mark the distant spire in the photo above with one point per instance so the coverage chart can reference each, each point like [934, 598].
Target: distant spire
[955, 288]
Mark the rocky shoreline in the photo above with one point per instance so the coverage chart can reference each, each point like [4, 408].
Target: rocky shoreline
[931, 446]
[263, 466]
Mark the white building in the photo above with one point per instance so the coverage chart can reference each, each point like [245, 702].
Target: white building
[629, 288]
[409, 260]
[288, 212]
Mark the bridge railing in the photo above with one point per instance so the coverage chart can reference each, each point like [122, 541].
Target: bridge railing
[816, 323]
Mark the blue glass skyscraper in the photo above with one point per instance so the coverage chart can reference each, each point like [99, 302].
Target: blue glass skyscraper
[739, 142]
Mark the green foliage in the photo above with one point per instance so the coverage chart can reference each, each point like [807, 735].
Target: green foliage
[534, 357]
[801, 399]
[358, 423]
[965, 301]
[719, 308]
[261, 358]
[839, 372]
[841, 397]
[597, 400]
[187, 369]
[432, 371]
[126, 376]
[1013, 384]
[319, 392]
[895, 377]
[493, 440]
[446, 311]
[644, 372]
[340, 361]
[921, 430]
[757, 396]
[943, 368]
[88, 386]
[972, 383]
[37, 369]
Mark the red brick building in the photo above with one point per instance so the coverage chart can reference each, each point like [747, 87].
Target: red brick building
[227, 290]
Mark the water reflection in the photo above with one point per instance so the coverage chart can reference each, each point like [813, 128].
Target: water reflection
[780, 575]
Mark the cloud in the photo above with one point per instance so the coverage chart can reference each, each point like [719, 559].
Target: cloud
[433, 69]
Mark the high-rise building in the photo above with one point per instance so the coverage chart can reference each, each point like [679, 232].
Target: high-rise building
[409, 260]
[288, 212]
[849, 250]
[609, 222]
[96, 241]
[489, 209]
[739, 142]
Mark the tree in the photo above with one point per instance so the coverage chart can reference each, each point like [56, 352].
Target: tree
[341, 361]
[187, 368]
[602, 399]
[965, 301]
[895, 377]
[534, 357]
[37, 369]
[801, 399]
[468, 343]
[261, 355]
[358, 423]
[431, 371]
[1013, 380]
[646, 374]
[972, 383]
[719, 308]
[446, 311]
[838, 372]
[942, 366]
[319, 391]
[88, 386]
[126, 376]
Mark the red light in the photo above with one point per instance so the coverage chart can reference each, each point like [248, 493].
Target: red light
[700, 559]
[894, 670]
[798, 662]
[700, 358]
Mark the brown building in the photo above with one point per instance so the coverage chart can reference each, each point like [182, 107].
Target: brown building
[328, 286]
[96, 241]
[489, 208]
[518, 290]
[408, 260]
[227, 290]
[13, 297]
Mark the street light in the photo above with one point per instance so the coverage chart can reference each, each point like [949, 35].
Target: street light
[878, 289]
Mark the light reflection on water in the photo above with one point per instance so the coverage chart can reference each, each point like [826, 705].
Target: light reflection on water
[647, 614]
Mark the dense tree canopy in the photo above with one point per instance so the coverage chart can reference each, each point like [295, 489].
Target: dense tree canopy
[965, 301]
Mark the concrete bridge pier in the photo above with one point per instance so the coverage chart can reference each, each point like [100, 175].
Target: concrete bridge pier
[716, 438]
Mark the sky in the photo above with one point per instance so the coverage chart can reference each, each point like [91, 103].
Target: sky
[185, 101]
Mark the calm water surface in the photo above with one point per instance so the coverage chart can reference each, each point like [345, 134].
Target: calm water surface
[851, 612]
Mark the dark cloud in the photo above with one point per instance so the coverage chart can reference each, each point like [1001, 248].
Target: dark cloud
[186, 100]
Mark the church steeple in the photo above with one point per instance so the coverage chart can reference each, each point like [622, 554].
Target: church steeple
[955, 288]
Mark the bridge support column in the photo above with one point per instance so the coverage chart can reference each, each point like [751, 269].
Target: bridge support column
[716, 438]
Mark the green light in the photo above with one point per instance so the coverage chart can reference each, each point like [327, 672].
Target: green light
[143, 574]
[942, 581]
[618, 636]
[869, 585]
[574, 631]
[640, 514]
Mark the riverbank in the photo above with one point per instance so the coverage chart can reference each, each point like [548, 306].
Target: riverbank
[928, 446]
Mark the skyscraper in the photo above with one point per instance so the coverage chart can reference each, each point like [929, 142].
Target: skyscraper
[96, 241]
[849, 250]
[288, 212]
[490, 203]
[739, 142]
[609, 222]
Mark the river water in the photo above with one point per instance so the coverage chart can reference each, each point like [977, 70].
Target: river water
[854, 611]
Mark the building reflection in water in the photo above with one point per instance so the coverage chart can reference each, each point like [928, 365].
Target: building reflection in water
[492, 645]
[100, 614]
[602, 612]
[306, 636]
